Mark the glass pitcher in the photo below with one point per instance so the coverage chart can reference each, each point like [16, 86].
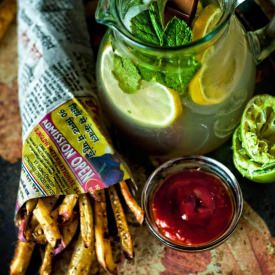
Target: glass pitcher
[180, 100]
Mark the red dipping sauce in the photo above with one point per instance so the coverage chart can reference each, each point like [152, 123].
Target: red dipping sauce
[192, 207]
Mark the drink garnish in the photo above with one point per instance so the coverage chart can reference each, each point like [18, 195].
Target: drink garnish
[208, 87]
[153, 105]
[206, 21]
[126, 74]
[149, 26]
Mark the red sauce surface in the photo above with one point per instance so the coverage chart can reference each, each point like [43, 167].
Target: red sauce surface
[192, 207]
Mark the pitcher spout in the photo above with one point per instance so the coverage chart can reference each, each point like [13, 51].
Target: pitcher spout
[106, 13]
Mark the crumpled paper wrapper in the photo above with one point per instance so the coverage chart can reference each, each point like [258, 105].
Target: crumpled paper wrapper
[65, 150]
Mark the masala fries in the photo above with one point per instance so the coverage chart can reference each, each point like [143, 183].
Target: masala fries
[46, 266]
[22, 257]
[102, 240]
[131, 202]
[67, 206]
[68, 231]
[86, 220]
[48, 223]
[82, 258]
[121, 222]
[54, 222]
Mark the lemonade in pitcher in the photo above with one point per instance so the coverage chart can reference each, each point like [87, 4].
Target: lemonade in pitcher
[174, 81]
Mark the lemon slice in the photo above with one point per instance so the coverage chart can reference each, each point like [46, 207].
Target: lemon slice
[221, 70]
[210, 86]
[206, 21]
[153, 105]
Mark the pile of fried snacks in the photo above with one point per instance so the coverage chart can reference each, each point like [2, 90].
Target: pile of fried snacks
[53, 222]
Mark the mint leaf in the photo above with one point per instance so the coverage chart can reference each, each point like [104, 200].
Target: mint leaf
[156, 21]
[176, 77]
[149, 27]
[126, 74]
[149, 74]
[177, 33]
[142, 28]
[161, 7]
[180, 80]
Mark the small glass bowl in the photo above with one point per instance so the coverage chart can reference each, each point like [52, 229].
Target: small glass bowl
[204, 164]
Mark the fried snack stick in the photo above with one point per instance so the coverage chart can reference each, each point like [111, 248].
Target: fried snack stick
[46, 267]
[38, 232]
[131, 202]
[30, 205]
[30, 228]
[24, 220]
[7, 13]
[102, 241]
[67, 206]
[22, 257]
[121, 222]
[48, 223]
[34, 230]
[38, 235]
[86, 220]
[82, 258]
[68, 231]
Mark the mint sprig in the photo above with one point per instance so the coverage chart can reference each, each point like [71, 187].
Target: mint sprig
[177, 33]
[156, 21]
[149, 27]
[143, 28]
[126, 74]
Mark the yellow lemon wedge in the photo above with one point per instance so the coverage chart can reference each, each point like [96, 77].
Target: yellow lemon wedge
[206, 21]
[153, 105]
[209, 86]
[221, 69]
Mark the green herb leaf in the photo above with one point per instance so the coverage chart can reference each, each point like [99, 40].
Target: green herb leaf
[177, 33]
[161, 7]
[126, 74]
[142, 28]
[149, 74]
[149, 27]
[156, 21]
[177, 78]
[180, 80]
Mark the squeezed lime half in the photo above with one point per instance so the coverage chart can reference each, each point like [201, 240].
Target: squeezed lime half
[258, 128]
[254, 140]
[255, 171]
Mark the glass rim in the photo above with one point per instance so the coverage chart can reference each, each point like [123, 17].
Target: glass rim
[206, 38]
[237, 198]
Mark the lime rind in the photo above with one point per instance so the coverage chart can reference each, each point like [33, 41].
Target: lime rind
[258, 129]
[258, 172]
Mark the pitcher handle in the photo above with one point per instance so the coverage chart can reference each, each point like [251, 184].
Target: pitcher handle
[262, 41]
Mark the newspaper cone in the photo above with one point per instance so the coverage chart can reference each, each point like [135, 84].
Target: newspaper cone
[64, 149]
